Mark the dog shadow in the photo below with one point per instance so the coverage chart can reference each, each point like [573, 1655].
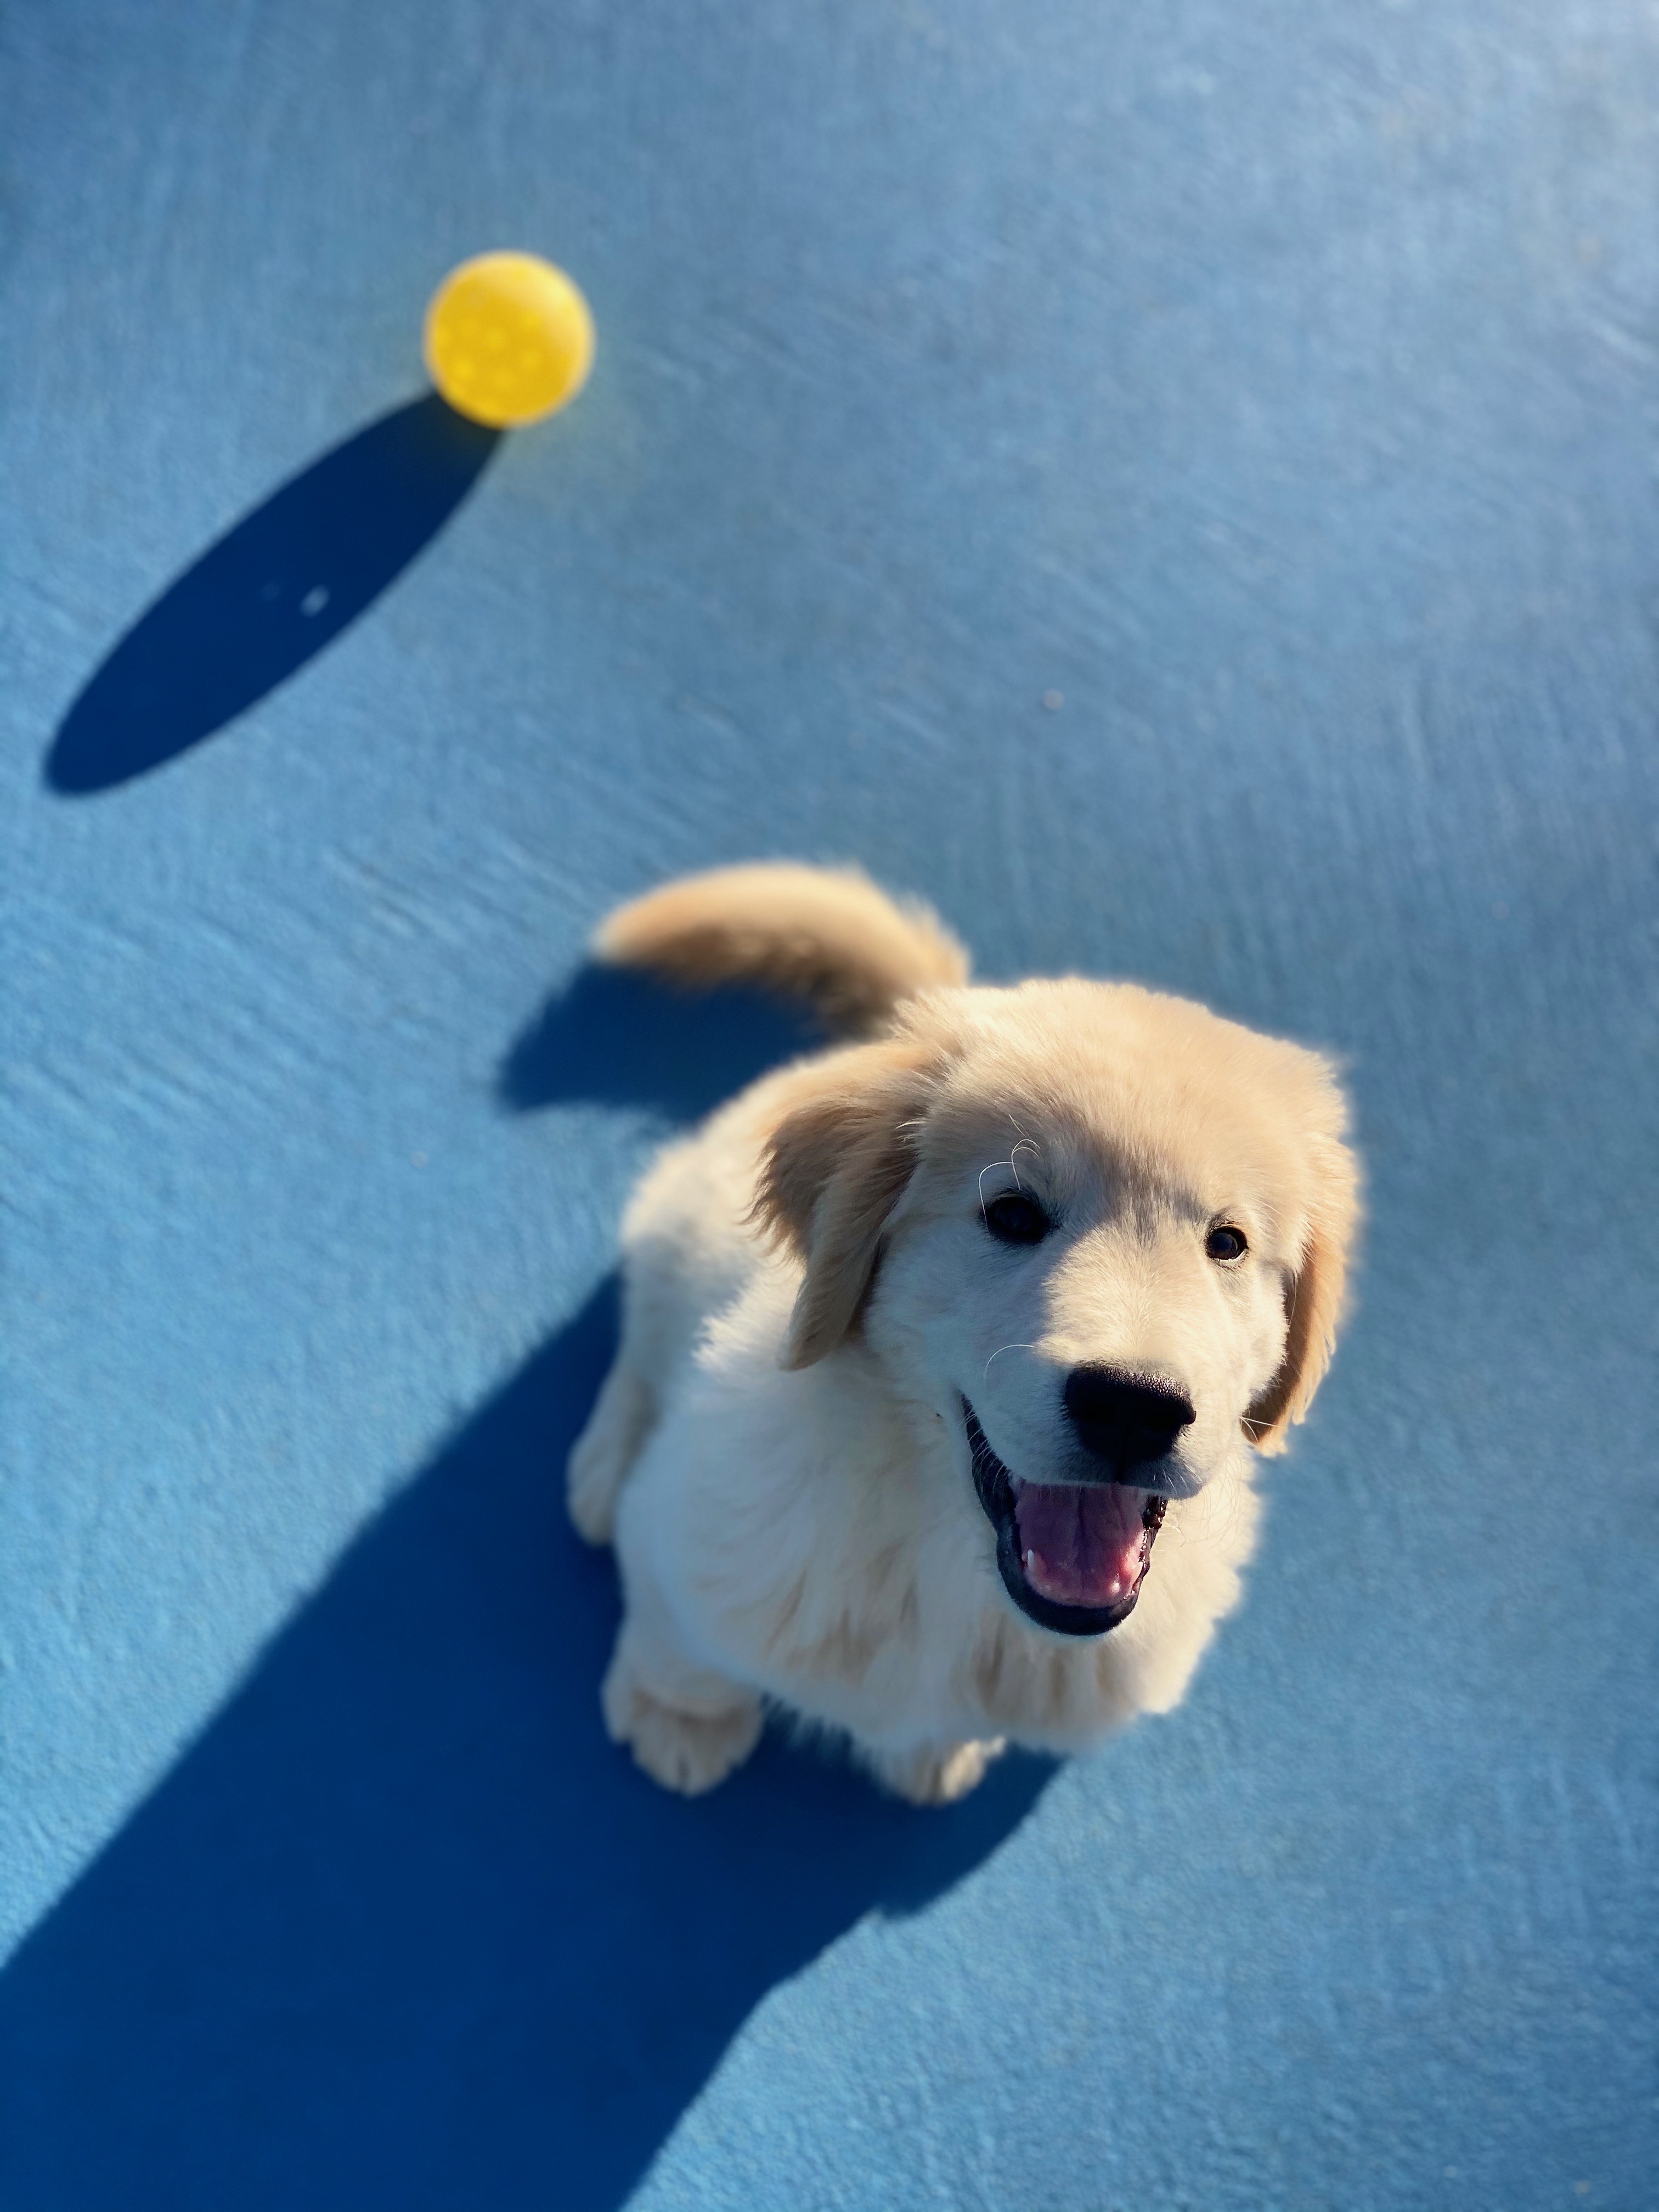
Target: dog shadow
[402, 1927]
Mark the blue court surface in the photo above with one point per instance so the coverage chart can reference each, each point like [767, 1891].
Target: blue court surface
[1178, 486]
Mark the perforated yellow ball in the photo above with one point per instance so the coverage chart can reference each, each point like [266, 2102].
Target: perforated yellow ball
[508, 338]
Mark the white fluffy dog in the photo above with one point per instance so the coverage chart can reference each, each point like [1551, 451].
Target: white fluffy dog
[929, 1339]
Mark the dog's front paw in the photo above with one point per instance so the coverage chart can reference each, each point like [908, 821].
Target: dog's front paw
[591, 1487]
[606, 1450]
[689, 1752]
[938, 1774]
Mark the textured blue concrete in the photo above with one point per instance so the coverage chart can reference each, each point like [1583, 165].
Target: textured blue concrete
[1273, 388]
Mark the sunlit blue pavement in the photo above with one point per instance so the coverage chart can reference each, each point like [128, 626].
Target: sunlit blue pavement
[1177, 487]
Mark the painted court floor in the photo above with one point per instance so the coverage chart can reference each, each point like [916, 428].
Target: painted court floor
[1179, 488]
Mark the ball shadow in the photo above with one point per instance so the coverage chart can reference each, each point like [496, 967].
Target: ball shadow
[270, 595]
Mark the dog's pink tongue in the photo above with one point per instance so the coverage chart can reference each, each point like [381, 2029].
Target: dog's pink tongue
[1081, 1544]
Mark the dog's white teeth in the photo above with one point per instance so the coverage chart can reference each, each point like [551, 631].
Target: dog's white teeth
[1033, 1562]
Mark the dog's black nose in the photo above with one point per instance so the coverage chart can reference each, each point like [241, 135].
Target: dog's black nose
[1122, 1422]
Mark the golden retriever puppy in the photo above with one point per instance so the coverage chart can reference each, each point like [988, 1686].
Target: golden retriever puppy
[945, 1353]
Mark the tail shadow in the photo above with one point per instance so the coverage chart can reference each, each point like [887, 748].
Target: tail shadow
[613, 1037]
[270, 595]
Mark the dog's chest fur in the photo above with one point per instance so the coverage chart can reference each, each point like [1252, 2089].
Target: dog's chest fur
[810, 1524]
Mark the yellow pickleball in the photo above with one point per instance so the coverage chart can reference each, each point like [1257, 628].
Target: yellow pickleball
[508, 338]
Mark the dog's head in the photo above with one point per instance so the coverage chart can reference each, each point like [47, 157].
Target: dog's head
[1102, 1234]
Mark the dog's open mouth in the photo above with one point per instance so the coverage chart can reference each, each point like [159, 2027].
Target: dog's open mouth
[1071, 1555]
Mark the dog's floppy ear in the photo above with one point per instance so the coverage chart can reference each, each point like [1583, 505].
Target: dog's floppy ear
[835, 1167]
[1313, 1295]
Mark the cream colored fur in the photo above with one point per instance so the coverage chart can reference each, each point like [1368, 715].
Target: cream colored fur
[779, 1453]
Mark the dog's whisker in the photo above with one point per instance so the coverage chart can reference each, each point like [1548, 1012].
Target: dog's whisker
[1001, 1349]
[1011, 1163]
[988, 1169]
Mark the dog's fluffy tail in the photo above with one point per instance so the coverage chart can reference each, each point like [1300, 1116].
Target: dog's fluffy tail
[827, 935]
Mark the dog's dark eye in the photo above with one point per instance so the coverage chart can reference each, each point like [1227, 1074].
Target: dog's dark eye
[1226, 1243]
[1014, 1218]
